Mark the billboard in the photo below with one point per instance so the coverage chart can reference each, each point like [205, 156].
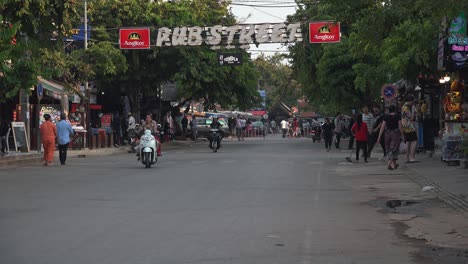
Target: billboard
[324, 32]
[134, 38]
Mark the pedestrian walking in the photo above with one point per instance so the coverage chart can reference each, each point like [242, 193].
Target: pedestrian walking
[351, 136]
[243, 123]
[48, 134]
[238, 127]
[194, 127]
[368, 118]
[360, 132]
[284, 127]
[4, 127]
[378, 120]
[184, 123]
[339, 128]
[327, 133]
[409, 114]
[64, 131]
[116, 128]
[273, 127]
[295, 127]
[392, 129]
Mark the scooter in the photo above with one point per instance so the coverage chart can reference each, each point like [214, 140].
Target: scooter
[148, 148]
[215, 139]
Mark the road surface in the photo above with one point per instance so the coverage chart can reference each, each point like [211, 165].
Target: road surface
[259, 202]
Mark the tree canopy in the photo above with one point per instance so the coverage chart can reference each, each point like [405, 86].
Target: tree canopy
[382, 42]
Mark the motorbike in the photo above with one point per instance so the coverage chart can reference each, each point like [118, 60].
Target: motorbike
[133, 137]
[215, 140]
[316, 132]
[148, 148]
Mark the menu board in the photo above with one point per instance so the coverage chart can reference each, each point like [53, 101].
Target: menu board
[20, 136]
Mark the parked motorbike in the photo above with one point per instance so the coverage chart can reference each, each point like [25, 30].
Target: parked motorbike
[316, 134]
[215, 140]
[148, 148]
[133, 138]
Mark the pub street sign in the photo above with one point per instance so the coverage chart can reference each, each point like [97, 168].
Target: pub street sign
[229, 37]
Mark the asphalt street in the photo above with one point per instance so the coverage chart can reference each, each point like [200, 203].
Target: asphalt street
[260, 201]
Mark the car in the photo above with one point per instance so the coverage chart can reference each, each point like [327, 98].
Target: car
[204, 127]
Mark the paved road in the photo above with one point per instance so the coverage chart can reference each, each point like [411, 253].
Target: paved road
[260, 202]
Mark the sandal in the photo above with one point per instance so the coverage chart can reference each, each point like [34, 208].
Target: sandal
[390, 167]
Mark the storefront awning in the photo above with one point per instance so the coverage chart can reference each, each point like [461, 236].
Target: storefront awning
[51, 86]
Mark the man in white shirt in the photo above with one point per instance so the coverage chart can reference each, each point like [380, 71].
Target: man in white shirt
[284, 127]
[368, 118]
[243, 123]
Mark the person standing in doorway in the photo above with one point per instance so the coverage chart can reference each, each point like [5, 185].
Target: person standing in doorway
[64, 131]
[49, 134]
[361, 134]
[327, 132]
[409, 114]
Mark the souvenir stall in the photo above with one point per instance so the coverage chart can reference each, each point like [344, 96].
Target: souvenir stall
[455, 106]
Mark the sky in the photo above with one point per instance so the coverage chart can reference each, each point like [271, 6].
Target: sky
[262, 15]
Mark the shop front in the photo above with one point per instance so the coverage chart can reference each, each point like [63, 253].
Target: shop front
[455, 87]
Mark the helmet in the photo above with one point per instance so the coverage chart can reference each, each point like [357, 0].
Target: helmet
[147, 132]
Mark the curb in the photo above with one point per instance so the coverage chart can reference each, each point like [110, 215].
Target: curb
[447, 197]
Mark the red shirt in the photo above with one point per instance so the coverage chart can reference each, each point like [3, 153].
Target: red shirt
[360, 134]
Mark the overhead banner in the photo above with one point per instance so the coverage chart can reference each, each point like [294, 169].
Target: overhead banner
[228, 59]
[324, 32]
[230, 37]
[134, 38]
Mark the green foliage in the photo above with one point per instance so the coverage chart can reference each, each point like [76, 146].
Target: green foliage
[383, 41]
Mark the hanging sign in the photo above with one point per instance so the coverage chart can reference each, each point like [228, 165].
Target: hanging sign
[134, 38]
[228, 59]
[324, 32]
[229, 36]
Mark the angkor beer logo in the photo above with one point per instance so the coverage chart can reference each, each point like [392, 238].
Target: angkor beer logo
[134, 40]
[324, 32]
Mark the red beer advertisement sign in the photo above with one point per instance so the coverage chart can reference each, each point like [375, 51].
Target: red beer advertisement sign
[324, 32]
[134, 38]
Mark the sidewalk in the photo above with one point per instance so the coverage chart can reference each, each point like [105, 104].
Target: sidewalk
[33, 157]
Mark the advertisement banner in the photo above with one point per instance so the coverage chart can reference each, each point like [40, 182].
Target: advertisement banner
[324, 32]
[134, 38]
[227, 59]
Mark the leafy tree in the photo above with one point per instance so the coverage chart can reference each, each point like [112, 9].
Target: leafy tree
[383, 41]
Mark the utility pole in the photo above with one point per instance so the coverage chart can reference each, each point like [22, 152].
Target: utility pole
[87, 91]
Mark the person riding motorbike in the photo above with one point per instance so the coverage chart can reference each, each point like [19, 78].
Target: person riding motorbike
[216, 125]
[152, 126]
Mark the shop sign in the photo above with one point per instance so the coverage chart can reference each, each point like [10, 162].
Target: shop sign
[236, 34]
[324, 32]
[134, 38]
[53, 110]
[458, 26]
[459, 48]
[227, 59]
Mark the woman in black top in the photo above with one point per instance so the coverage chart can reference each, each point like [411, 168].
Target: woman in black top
[327, 131]
[393, 133]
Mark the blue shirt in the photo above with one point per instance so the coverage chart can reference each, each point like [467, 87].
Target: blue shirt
[64, 130]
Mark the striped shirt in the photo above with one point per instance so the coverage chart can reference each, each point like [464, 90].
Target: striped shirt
[369, 120]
